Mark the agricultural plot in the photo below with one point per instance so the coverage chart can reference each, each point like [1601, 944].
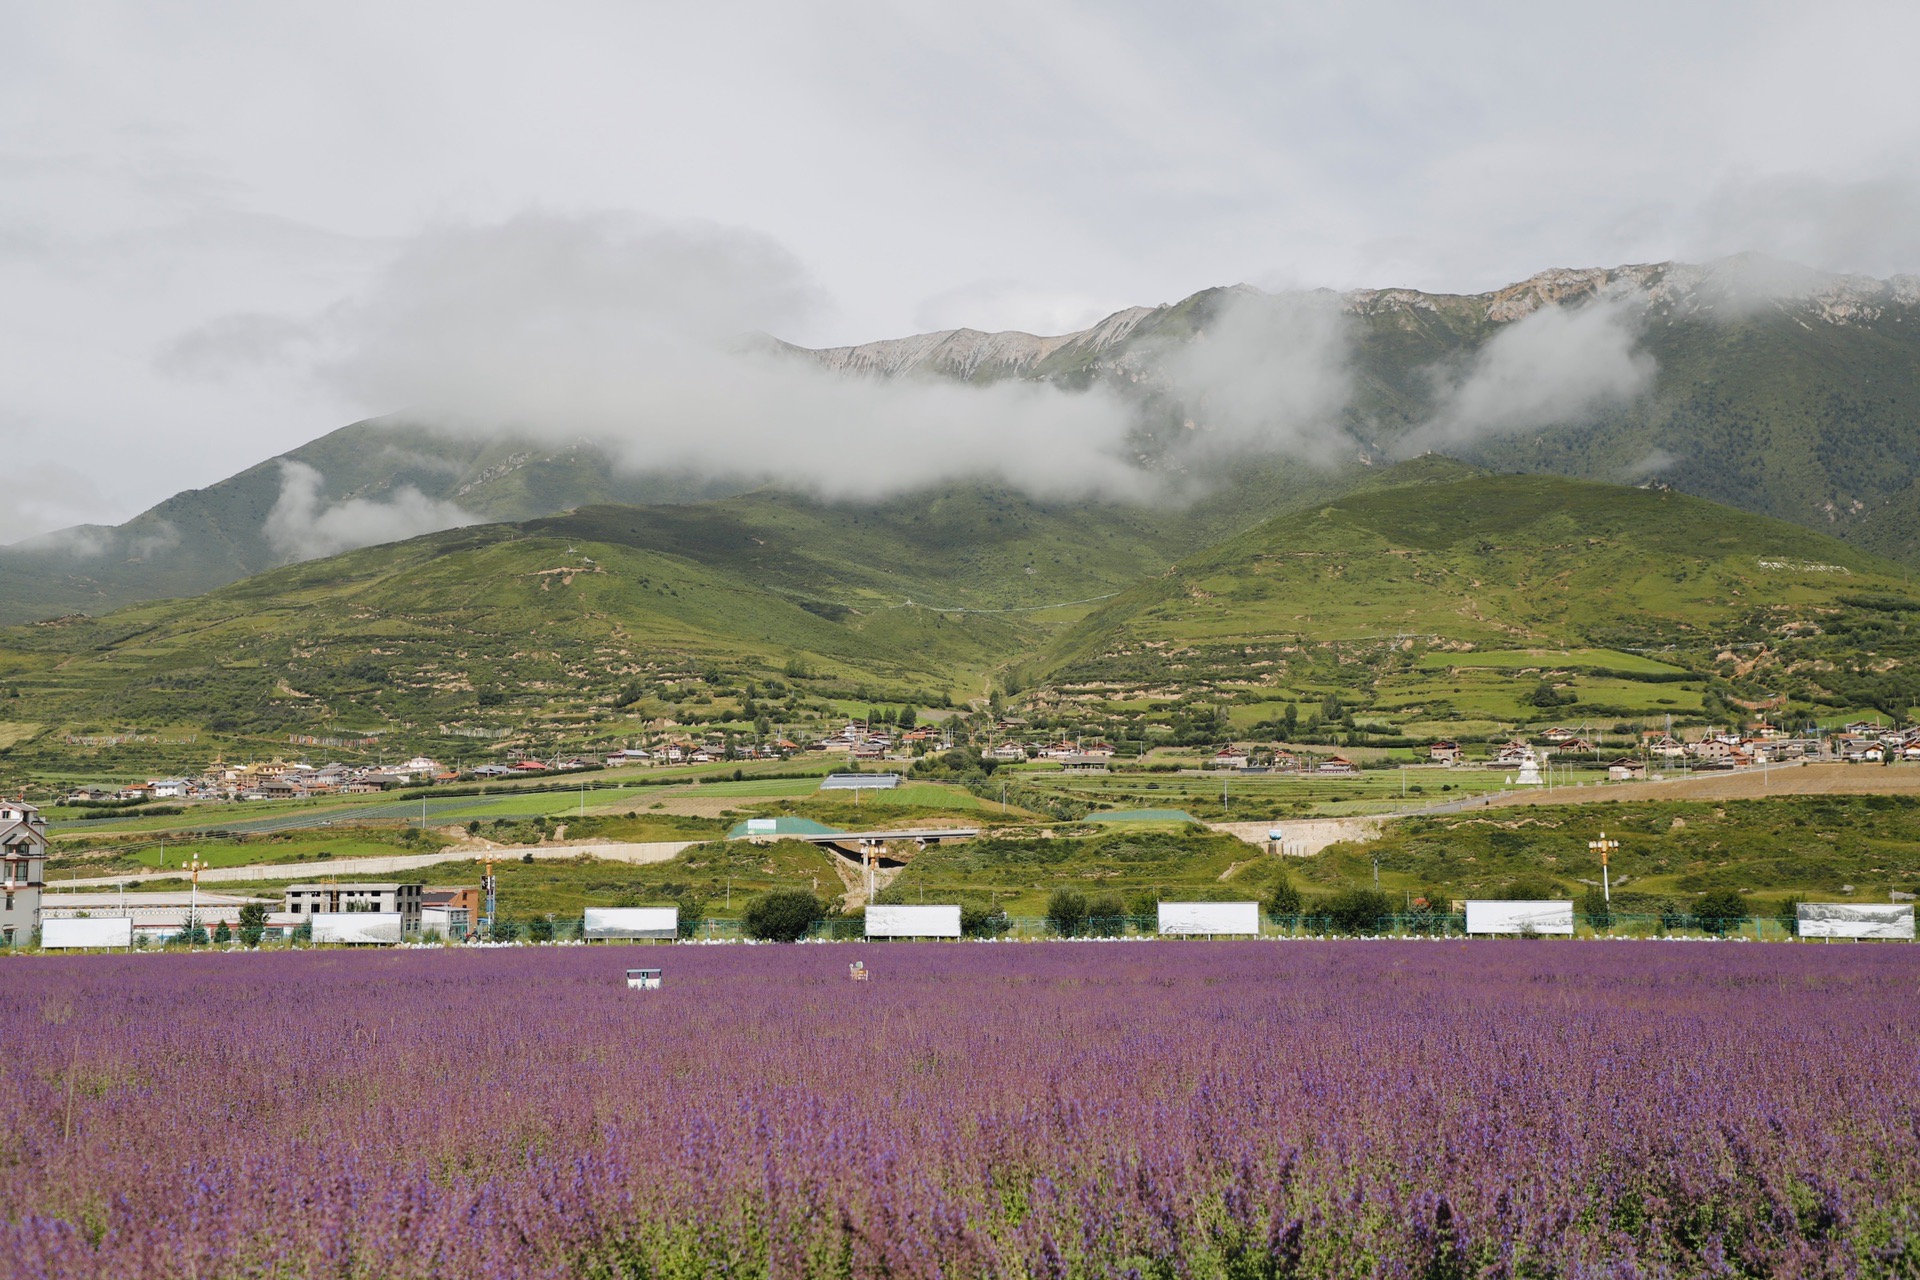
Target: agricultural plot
[1438, 1109]
[1256, 797]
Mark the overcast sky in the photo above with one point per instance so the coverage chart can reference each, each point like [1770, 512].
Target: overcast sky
[168, 168]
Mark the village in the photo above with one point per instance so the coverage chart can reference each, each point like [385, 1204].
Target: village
[1655, 753]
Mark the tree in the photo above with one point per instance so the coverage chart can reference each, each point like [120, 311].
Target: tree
[1290, 719]
[1788, 914]
[1544, 695]
[1284, 900]
[1598, 911]
[978, 920]
[1067, 912]
[253, 923]
[1106, 915]
[541, 929]
[1359, 910]
[784, 915]
[908, 717]
[222, 934]
[1719, 911]
[505, 930]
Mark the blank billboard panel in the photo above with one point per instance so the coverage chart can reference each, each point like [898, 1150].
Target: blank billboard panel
[358, 926]
[1520, 917]
[1856, 920]
[633, 922]
[112, 931]
[1210, 918]
[913, 922]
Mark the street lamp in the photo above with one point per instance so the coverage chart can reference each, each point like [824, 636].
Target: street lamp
[194, 866]
[1603, 847]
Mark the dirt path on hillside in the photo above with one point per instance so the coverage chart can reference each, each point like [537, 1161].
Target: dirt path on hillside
[1303, 837]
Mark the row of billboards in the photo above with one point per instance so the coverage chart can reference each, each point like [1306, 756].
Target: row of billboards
[1813, 919]
[1176, 919]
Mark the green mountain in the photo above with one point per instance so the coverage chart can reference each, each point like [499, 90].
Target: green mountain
[1453, 605]
[1435, 601]
[1775, 390]
[205, 538]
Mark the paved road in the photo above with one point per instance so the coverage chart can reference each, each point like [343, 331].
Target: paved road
[659, 851]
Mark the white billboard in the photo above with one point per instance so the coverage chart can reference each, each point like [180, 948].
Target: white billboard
[913, 922]
[1520, 917]
[107, 931]
[1210, 918]
[1856, 920]
[633, 922]
[357, 926]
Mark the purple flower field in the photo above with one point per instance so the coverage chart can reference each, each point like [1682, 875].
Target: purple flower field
[1174, 1109]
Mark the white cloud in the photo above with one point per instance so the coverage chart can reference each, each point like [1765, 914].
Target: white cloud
[1555, 367]
[1115, 154]
[304, 526]
[1269, 374]
[630, 332]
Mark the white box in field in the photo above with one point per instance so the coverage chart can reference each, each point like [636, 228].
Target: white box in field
[1855, 920]
[913, 922]
[1211, 919]
[1551, 916]
[374, 927]
[95, 931]
[633, 922]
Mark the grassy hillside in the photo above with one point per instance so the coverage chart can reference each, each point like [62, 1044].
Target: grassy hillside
[1815, 847]
[1433, 602]
[1443, 608]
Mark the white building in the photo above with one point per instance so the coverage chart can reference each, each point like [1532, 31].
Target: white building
[157, 916]
[23, 871]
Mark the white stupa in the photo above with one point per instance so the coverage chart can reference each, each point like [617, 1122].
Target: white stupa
[1529, 770]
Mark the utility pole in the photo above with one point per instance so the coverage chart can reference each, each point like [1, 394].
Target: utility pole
[1603, 847]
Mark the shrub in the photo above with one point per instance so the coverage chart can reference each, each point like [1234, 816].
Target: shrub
[978, 920]
[1284, 900]
[1720, 911]
[1359, 910]
[1788, 914]
[222, 934]
[1106, 915]
[1596, 908]
[1432, 913]
[541, 929]
[785, 915]
[505, 930]
[692, 912]
[1067, 912]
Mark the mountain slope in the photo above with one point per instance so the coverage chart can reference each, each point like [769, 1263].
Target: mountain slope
[1434, 601]
[1781, 391]
[1441, 607]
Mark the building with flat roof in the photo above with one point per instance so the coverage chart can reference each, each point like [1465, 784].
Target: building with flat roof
[23, 871]
[157, 916]
[303, 901]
